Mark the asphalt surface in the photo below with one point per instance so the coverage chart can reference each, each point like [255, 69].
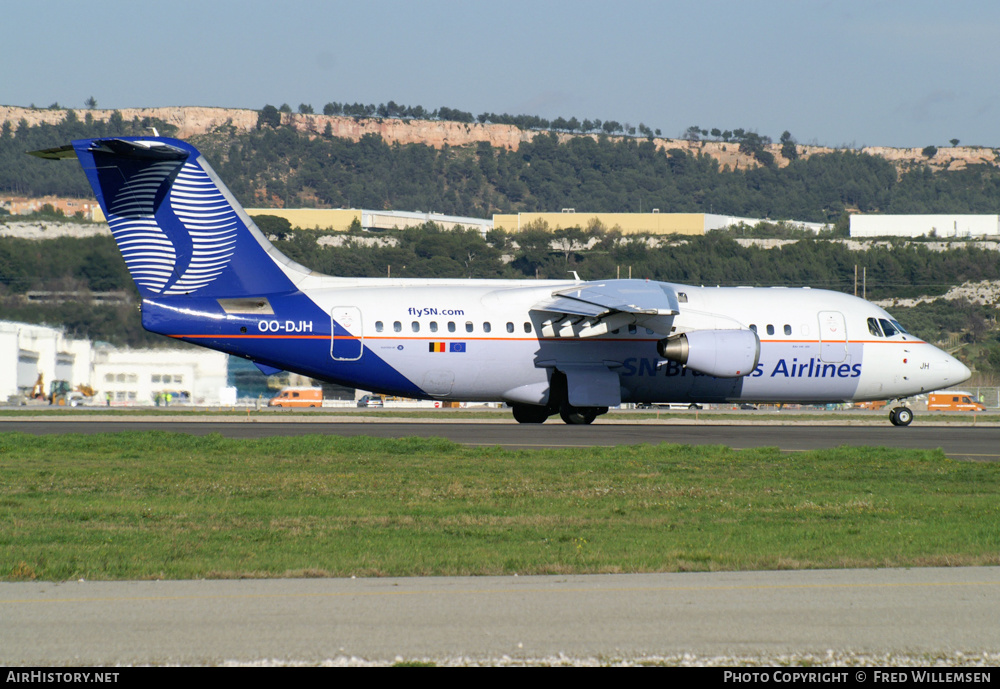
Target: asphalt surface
[929, 614]
[965, 442]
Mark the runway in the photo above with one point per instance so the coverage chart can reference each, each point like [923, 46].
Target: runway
[823, 616]
[965, 442]
[867, 617]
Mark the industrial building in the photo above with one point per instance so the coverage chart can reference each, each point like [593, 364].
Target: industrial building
[27, 351]
[120, 376]
[144, 376]
[941, 226]
[655, 222]
[634, 223]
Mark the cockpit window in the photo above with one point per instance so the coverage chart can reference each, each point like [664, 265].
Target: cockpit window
[888, 328]
[900, 328]
[873, 327]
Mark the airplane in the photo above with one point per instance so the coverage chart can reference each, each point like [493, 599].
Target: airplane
[207, 275]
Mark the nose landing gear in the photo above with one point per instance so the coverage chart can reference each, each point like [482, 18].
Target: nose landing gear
[901, 416]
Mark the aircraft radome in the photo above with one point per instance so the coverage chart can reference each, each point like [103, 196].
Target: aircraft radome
[207, 275]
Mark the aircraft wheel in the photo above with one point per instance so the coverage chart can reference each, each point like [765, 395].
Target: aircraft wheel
[903, 416]
[892, 416]
[578, 415]
[529, 413]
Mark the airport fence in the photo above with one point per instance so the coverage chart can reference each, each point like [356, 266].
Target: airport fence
[989, 397]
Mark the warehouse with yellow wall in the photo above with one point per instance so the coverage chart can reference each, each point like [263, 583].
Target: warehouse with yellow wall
[627, 223]
[336, 219]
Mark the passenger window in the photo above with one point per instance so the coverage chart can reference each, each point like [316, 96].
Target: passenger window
[770, 329]
[649, 331]
[788, 329]
[415, 326]
[434, 326]
[510, 327]
[682, 298]
[873, 327]
[378, 326]
[527, 327]
[397, 327]
[468, 326]
[487, 327]
[753, 326]
[631, 330]
[451, 326]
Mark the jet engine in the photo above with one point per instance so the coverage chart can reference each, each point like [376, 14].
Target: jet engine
[719, 353]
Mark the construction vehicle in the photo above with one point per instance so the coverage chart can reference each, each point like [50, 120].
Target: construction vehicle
[61, 395]
[38, 391]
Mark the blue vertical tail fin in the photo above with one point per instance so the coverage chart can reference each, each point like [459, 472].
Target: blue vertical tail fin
[179, 229]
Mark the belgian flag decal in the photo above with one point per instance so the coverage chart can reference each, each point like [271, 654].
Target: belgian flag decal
[446, 347]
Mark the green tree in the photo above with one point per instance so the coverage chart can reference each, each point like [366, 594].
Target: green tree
[268, 116]
[273, 226]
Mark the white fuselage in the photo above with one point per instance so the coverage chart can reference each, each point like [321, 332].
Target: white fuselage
[481, 340]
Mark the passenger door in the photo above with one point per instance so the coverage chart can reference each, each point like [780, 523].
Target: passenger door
[832, 336]
[347, 337]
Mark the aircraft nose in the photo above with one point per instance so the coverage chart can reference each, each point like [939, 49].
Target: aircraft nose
[954, 371]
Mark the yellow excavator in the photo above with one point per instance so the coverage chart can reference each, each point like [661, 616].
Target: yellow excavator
[60, 394]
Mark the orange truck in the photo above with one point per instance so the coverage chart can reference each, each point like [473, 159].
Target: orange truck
[298, 397]
[953, 400]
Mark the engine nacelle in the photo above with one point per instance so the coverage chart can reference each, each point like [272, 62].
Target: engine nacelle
[719, 353]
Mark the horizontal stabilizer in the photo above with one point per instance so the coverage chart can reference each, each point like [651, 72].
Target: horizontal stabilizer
[58, 153]
[140, 150]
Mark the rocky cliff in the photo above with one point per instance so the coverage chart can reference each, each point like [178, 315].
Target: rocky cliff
[192, 121]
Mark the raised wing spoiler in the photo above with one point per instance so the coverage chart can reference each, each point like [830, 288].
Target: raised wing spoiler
[595, 308]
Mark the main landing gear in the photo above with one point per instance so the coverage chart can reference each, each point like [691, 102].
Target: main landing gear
[531, 413]
[580, 415]
[901, 416]
[558, 404]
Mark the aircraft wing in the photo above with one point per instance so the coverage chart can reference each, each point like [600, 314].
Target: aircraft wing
[595, 308]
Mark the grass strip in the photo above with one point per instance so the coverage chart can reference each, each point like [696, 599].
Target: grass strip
[140, 505]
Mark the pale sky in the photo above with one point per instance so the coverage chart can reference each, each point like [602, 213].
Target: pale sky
[849, 72]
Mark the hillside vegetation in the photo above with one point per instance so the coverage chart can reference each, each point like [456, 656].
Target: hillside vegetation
[277, 166]
[281, 166]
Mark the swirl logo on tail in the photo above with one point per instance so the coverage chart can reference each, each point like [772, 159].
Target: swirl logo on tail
[188, 259]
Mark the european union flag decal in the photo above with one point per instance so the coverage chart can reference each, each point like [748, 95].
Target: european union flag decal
[456, 347]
